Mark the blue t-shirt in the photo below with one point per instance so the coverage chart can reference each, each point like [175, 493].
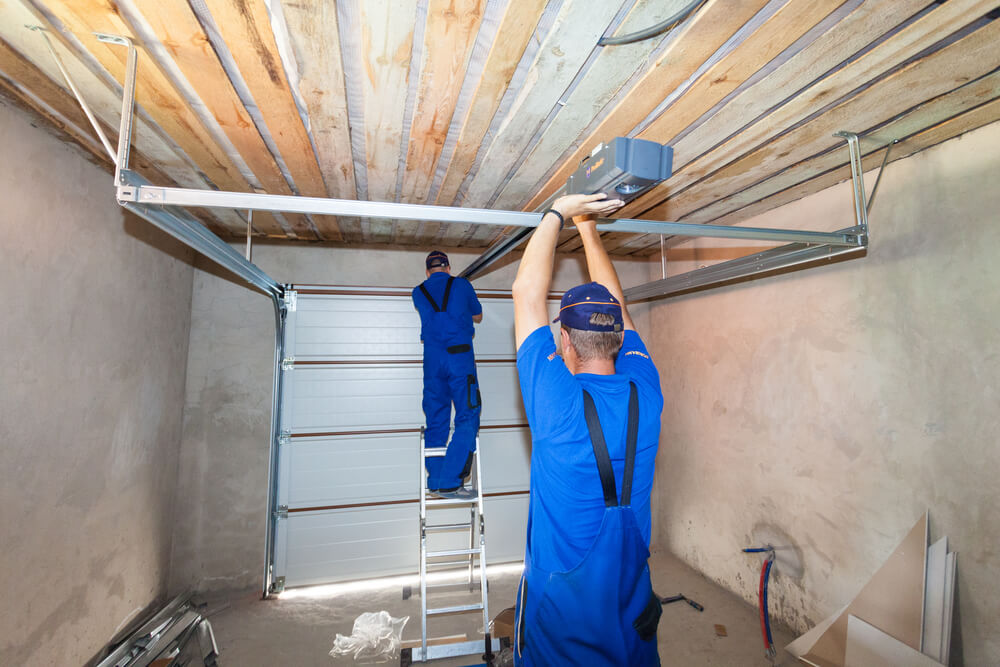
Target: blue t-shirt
[567, 504]
[454, 326]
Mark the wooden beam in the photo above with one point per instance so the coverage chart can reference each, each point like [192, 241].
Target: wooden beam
[695, 42]
[574, 34]
[897, 49]
[315, 40]
[967, 59]
[451, 31]
[174, 23]
[246, 28]
[951, 128]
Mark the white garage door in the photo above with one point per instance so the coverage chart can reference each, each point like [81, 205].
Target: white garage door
[348, 462]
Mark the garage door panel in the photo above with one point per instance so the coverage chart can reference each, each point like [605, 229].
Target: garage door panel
[352, 327]
[369, 397]
[370, 468]
[341, 545]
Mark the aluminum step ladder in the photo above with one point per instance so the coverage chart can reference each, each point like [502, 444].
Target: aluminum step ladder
[429, 502]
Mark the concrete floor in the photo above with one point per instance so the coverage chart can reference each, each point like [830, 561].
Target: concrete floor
[299, 630]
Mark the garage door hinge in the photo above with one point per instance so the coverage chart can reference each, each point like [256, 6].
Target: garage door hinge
[291, 300]
[284, 438]
[288, 363]
[278, 585]
[281, 512]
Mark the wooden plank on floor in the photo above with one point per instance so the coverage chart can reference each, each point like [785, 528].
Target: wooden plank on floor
[515, 30]
[574, 34]
[174, 23]
[777, 126]
[611, 70]
[315, 40]
[696, 40]
[814, 174]
[246, 28]
[969, 58]
[452, 26]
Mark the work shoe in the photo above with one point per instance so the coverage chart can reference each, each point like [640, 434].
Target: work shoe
[459, 493]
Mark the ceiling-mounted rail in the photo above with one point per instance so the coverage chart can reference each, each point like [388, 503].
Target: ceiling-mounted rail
[791, 256]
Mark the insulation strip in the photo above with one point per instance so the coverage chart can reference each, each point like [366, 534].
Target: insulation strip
[349, 26]
[412, 83]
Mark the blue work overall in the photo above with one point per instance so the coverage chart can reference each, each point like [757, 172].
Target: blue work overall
[603, 611]
[449, 379]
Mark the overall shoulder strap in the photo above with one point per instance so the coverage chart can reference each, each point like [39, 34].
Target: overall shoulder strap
[632, 438]
[427, 295]
[600, 451]
[447, 293]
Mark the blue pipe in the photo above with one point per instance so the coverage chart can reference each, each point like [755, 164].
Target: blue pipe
[767, 614]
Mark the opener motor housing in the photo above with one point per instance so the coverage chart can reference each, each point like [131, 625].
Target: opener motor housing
[622, 169]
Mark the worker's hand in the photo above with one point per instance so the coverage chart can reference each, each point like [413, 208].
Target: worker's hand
[573, 205]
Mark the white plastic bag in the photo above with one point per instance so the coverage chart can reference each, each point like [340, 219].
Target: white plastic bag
[376, 637]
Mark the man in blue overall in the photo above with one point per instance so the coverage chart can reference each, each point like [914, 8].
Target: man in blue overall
[585, 597]
[448, 308]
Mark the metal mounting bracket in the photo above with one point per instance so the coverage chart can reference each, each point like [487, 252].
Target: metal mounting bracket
[288, 364]
[291, 300]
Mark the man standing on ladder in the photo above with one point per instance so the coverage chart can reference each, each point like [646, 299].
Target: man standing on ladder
[585, 597]
[448, 308]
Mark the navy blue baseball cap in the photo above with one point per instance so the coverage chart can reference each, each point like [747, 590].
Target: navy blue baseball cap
[436, 258]
[579, 303]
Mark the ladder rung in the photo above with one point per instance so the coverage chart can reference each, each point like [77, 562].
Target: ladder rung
[458, 563]
[441, 527]
[453, 552]
[434, 500]
[456, 609]
[434, 452]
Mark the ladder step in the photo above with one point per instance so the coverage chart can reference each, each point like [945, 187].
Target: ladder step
[435, 500]
[456, 609]
[456, 563]
[434, 452]
[453, 552]
[441, 527]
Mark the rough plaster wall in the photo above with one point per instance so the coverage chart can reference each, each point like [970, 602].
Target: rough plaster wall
[95, 334]
[219, 536]
[827, 409]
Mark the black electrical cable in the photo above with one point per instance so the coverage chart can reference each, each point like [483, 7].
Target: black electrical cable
[654, 30]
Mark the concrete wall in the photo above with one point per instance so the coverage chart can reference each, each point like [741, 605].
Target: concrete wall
[828, 409]
[219, 539]
[95, 332]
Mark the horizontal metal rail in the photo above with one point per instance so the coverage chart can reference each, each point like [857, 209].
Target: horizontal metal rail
[162, 196]
[758, 264]
[184, 227]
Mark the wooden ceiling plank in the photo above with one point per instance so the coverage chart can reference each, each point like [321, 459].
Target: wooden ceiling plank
[452, 26]
[387, 40]
[696, 41]
[315, 39]
[57, 108]
[913, 122]
[104, 101]
[246, 28]
[610, 71]
[951, 128]
[907, 43]
[516, 28]
[867, 23]
[573, 36]
[176, 26]
[965, 60]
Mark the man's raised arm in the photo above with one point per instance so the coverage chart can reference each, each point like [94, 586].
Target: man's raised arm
[599, 264]
[534, 274]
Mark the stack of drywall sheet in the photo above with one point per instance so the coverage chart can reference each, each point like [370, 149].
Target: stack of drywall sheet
[901, 618]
